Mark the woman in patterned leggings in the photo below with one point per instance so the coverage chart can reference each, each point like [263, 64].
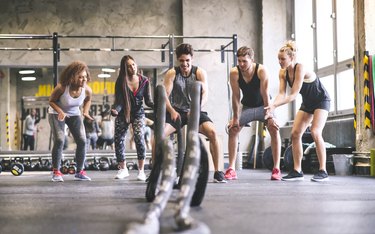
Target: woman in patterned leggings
[130, 90]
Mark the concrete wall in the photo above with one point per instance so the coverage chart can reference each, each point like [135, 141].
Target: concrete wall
[259, 24]
[94, 17]
[370, 26]
[275, 28]
[217, 18]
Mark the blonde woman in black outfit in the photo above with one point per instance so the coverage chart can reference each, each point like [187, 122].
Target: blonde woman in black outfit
[314, 109]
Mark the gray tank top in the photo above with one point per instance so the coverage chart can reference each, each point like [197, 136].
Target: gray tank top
[69, 104]
[180, 96]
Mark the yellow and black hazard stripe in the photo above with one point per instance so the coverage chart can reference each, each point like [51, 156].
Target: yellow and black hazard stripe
[366, 91]
[7, 127]
[15, 133]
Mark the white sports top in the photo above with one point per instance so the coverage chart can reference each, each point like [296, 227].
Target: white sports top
[69, 104]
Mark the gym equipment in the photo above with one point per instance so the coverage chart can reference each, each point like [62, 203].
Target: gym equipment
[65, 167]
[72, 168]
[113, 163]
[5, 163]
[160, 115]
[104, 164]
[194, 173]
[46, 164]
[288, 157]
[193, 124]
[94, 164]
[131, 166]
[27, 163]
[267, 158]
[17, 169]
[36, 164]
[57, 45]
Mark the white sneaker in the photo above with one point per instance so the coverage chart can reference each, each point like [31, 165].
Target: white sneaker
[141, 175]
[122, 173]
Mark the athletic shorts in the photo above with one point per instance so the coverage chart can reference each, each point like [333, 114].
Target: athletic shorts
[184, 119]
[325, 105]
[249, 114]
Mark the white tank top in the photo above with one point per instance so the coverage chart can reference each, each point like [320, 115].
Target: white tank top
[69, 104]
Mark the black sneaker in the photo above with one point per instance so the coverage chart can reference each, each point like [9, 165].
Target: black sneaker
[219, 177]
[320, 176]
[293, 176]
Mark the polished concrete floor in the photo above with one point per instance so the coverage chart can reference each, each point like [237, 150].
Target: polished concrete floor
[31, 203]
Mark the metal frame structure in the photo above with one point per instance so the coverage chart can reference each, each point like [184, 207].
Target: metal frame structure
[167, 47]
[56, 47]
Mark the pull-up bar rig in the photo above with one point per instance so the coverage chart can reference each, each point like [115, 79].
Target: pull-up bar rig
[166, 47]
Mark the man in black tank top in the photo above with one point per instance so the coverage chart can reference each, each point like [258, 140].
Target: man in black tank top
[177, 82]
[250, 79]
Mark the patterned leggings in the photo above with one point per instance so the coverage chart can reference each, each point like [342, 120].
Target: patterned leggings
[121, 129]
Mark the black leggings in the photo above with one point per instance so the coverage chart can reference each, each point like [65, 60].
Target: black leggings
[121, 129]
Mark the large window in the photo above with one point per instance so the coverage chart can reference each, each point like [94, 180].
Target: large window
[324, 31]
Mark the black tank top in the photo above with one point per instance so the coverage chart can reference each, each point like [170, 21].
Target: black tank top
[312, 93]
[180, 96]
[251, 96]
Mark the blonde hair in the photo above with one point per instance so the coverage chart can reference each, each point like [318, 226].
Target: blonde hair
[290, 48]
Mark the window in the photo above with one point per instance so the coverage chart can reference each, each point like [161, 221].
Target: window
[324, 32]
[345, 90]
[329, 84]
[345, 29]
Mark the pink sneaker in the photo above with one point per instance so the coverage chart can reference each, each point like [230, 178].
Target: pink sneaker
[230, 174]
[276, 174]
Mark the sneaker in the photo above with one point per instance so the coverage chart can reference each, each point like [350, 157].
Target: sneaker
[219, 177]
[320, 176]
[122, 173]
[230, 174]
[141, 175]
[276, 174]
[293, 176]
[81, 176]
[57, 176]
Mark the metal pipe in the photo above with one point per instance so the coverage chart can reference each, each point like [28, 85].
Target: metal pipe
[171, 48]
[55, 57]
[204, 37]
[124, 37]
[235, 49]
[25, 36]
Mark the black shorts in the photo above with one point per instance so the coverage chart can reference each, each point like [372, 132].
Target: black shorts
[325, 105]
[184, 119]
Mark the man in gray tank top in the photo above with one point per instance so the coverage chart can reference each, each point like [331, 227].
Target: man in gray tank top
[178, 83]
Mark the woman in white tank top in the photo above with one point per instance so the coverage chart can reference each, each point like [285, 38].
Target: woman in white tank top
[69, 94]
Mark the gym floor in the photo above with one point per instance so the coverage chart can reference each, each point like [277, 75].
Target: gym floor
[31, 203]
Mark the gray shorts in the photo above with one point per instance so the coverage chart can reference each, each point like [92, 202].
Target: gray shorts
[250, 114]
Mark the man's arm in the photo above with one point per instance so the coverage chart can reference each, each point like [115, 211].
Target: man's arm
[168, 84]
[202, 77]
[29, 125]
[264, 90]
[236, 93]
